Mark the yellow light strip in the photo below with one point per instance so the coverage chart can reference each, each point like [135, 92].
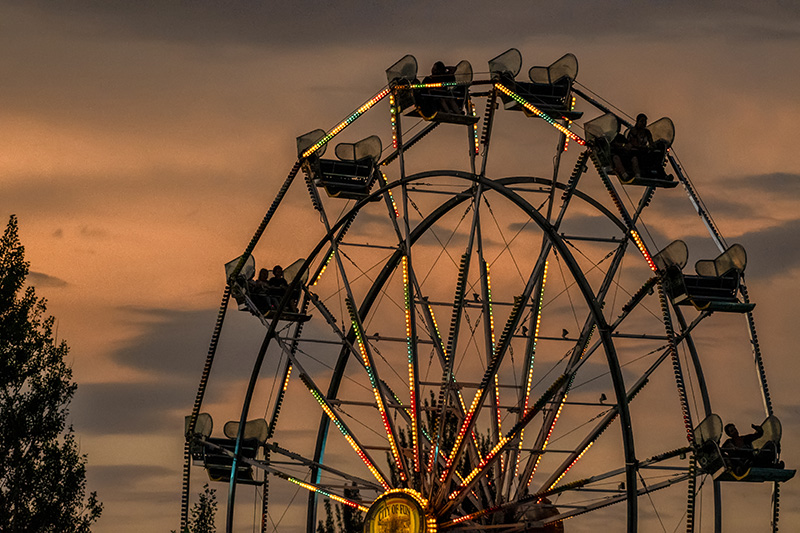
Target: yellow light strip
[345, 432]
[375, 390]
[412, 379]
[564, 473]
[391, 197]
[393, 111]
[324, 268]
[327, 494]
[498, 414]
[547, 439]
[346, 122]
[642, 248]
[539, 113]
[467, 419]
[529, 384]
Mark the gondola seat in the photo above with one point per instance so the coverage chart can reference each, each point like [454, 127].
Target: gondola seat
[256, 296]
[216, 453]
[434, 104]
[549, 89]
[716, 285]
[760, 464]
[353, 172]
[602, 133]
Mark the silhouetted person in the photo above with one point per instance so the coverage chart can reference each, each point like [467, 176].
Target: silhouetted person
[640, 141]
[739, 449]
[443, 96]
[259, 290]
[620, 153]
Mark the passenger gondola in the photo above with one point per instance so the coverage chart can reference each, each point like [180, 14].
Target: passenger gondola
[715, 287]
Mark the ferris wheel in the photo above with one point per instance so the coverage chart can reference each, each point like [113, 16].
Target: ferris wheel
[481, 327]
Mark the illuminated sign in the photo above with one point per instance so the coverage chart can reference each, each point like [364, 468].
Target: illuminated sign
[397, 511]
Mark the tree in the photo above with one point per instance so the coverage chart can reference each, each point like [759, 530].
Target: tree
[42, 473]
[204, 512]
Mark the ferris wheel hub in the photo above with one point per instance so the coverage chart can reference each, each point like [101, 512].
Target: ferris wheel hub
[400, 510]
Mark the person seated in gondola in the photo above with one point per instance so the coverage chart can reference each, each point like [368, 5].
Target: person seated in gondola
[741, 454]
[277, 287]
[440, 98]
[620, 156]
[259, 290]
[640, 141]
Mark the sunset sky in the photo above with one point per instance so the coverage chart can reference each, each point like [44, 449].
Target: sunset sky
[142, 143]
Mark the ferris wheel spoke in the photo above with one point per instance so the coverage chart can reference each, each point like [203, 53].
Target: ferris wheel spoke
[364, 351]
[611, 500]
[321, 490]
[413, 363]
[448, 376]
[500, 446]
[488, 124]
[488, 347]
[305, 462]
[468, 423]
[580, 486]
[340, 423]
[599, 428]
[577, 357]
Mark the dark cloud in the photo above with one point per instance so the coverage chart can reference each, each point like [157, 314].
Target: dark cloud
[173, 347]
[773, 251]
[778, 183]
[671, 203]
[131, 408]
[305, 24]
[39, 279]
[174, 343]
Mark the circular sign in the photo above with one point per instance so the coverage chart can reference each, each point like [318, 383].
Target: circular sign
[395, 512]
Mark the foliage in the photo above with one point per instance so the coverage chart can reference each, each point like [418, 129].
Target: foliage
[204, 512]
[42, 473]
[348, 520]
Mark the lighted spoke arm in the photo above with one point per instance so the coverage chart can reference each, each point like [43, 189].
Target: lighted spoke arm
[375, 382]
[413, 367]
[322, 491]
[305, 462]
[605, 502]
[580, 354]
[539, 113]
[496, 452]
[346, 122]
[491, 371]
[339, 423]
[578, 485]
[609, 417]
